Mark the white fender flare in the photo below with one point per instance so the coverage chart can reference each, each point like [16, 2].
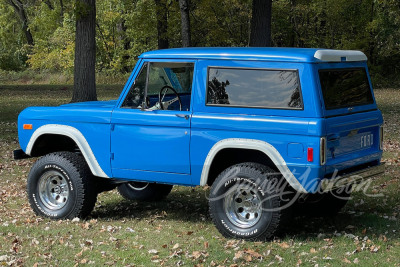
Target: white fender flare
[262, 146]
[75, 135]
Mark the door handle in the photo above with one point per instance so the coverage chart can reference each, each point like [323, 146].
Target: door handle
[186, 117]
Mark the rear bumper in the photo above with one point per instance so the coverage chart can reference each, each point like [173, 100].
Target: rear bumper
[351, 178]
[20, 154]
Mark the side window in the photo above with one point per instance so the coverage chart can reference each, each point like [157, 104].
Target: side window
[254, 88]
[135, 96]
[177, 76]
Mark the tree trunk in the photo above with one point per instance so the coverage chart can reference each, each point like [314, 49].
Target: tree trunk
[62, 10]
[371, 36]
[260, 31]
[49, 4]
[20, 12]
[185, 23]
[162, 23]
[124, 40]
[85, 51]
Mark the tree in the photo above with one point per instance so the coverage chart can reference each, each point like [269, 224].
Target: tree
[260, 29]
[85, 51]
[19, 9]
[185, 22]
[162, 23]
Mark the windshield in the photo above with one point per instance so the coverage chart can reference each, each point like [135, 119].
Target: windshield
[343, 88]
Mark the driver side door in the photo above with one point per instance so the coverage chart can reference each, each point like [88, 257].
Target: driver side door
[147, 143]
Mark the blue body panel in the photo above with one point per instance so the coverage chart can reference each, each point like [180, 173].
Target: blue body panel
[93, 121]
[169, 146]
[276, 54]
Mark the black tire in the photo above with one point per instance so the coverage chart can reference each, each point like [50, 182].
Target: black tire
[144, 191]
[60, 186]
[324, 204]
[266, 200]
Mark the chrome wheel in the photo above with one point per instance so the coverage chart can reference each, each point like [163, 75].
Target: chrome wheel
[53, 190]
[243, 207]
[138, 185]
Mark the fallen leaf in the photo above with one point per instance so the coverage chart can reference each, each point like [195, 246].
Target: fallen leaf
[345, 260]
[248, 258]
[284, 245]
[79, 254]
[374, 249]
[364, 231]
[153, 251]
[253, 253]
[196, 254]
[279, 258]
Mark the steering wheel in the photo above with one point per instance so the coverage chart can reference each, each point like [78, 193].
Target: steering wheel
[164, 105]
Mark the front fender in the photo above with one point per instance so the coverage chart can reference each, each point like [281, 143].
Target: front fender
[76, 136]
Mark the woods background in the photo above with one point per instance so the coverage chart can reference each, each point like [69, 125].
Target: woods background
[37, 37]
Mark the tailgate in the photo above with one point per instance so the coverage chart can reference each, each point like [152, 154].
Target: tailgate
[352, 140]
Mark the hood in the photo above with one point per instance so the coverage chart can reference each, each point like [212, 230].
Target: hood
[88, 112]
[92, 104]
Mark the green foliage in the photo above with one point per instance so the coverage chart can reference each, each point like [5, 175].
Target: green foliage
[13, 50]
[81, 9]
[127, 28]
[221, 23]
[56, 51]
[372, 26]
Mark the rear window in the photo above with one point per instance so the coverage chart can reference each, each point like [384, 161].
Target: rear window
[259, 88]
[343, 88]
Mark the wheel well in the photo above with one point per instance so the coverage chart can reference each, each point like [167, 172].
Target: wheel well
[231, 156]
[48, 143]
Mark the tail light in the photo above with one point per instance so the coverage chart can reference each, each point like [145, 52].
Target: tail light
[322, 151]
[310, 154]
[381, 138]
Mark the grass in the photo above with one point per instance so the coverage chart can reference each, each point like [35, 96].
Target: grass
[178, 231]
[44, 77]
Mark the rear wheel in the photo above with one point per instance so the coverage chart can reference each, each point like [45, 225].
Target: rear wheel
[60, 186]
[248, 201]
[144, 191]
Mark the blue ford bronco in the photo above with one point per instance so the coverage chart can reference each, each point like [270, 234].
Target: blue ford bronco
[268, 129]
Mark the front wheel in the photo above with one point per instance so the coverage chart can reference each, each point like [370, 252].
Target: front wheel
[249, 201]
[144, 191]
[60, 186]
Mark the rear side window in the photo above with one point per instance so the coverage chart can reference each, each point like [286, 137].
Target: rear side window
[258, 88]
[343, 88]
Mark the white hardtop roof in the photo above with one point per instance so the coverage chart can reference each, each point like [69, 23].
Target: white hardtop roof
[340, 55]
